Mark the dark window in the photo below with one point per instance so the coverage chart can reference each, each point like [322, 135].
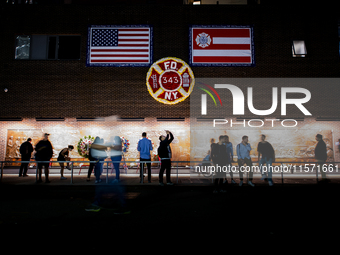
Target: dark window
[52, 47]
[69, 47]
[57, 47]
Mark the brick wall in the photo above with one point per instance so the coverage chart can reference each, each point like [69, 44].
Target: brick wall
[70, 89]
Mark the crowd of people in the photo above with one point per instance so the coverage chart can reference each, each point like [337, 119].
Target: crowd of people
[221, 154]
[98, 152]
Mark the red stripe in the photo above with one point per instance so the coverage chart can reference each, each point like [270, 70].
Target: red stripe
[133, 29]
[133, 40]
[133, 45]
[118, 50]
[118, 61]
[221, 60]
[122, 55]
[222, 47]
[134, 34]
[222, 32]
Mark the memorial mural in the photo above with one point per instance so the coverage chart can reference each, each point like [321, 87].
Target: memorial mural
[62, 138]
[289, 145]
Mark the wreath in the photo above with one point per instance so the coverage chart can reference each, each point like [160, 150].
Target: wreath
[125, 145]
[84, 145]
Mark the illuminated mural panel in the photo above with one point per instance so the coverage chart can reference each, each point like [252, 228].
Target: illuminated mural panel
[61, 138]
[290, 145]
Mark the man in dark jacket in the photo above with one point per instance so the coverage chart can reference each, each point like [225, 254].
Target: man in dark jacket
[321, 155]
[164, 152]
[26, 150]
[44, 152]
[219, 156]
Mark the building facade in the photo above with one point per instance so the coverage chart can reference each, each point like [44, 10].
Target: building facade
[70, 100]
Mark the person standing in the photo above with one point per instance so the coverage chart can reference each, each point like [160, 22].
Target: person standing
[164, 152]
[220, 160]
[44, 152]
[26, 150]
[64, 156]
[144, 147]
[230, 156]
[321, 156]
[265, 149]
[243, 153]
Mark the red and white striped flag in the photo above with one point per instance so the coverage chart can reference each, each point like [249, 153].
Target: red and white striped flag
[119, 45]
[221, 46]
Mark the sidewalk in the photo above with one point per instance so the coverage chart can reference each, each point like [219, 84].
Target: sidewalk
[297, 210]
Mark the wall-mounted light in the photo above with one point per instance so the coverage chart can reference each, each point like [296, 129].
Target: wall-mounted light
[130, 119]
[49, 119]
[327, 119]
[170, 119]
[10, 119]
[90, 119]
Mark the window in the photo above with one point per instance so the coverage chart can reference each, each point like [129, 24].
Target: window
[54, 47]
[339, 35]
[299, 49]
[22, 47]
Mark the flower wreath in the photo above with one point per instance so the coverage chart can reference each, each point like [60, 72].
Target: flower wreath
[125, 145]
[84, 145]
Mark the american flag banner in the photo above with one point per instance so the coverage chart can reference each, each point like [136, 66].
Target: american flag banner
[221, 46]
[119, 45]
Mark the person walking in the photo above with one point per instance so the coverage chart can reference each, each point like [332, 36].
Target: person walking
[112, 149]
[64, 156]
[265, 149]
[144, 147]
[26, 150]
[99, 154]
[165, 154]
[44, 152]
[115, 145]
[243, 153]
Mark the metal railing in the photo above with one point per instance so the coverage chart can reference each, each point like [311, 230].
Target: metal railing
[294, 167]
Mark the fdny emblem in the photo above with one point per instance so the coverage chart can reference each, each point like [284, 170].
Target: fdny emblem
[170, 80]
[203, 40]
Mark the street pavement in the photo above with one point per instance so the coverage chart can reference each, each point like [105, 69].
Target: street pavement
[296, 210]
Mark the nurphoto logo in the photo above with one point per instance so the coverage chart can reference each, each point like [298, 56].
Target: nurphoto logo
[238, 104]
